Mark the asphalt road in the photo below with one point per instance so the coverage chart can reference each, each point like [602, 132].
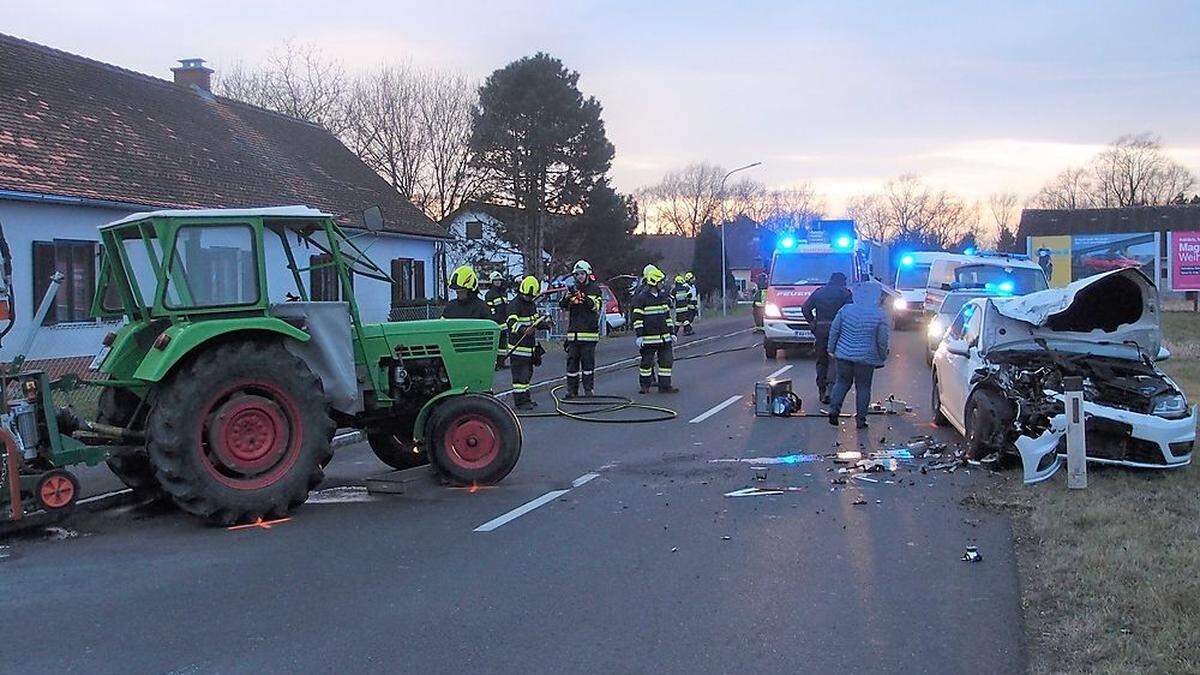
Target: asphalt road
[632, 560]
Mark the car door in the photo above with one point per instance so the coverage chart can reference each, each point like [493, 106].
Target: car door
[955, 361]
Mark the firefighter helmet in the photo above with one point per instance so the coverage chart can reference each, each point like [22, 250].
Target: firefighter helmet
[463, 278]
[689, 277]
[582, 266]
[495, 276]
[652, 275]
[530, 286]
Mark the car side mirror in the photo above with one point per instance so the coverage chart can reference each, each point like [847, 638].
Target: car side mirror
[957, 348]
[1163, 354]
[373, 219]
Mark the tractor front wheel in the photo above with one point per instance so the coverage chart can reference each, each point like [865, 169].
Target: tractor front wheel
[240, 432]
[473, 439]
[395, 450]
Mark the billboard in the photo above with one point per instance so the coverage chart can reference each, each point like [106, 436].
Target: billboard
[1183, 254]
[1067, 258]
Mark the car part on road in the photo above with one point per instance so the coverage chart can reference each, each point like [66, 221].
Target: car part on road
[971, 555]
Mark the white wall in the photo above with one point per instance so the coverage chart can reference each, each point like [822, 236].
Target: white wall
[492, 248]
[25, 222]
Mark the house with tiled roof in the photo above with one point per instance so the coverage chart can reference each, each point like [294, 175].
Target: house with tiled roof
[83, 143]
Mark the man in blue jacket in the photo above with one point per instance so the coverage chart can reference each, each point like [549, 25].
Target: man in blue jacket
[859, 339]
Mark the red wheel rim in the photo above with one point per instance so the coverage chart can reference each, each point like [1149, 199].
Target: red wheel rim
[472, 441]
[251, 435]
[57, 492]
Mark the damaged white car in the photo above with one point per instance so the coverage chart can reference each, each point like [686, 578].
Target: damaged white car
[998, 376]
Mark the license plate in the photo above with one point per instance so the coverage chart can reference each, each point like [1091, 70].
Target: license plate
[95, 365]
[807, 334]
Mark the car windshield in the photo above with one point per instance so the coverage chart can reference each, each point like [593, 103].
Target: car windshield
[953, 303]
[809, 269]
[912, 277]
[1015, 280]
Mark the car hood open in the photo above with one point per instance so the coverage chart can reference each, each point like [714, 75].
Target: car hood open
[1111, 314]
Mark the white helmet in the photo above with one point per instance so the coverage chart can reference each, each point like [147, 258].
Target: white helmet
[582, 266]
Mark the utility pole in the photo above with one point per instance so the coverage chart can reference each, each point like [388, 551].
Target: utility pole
[721, 196]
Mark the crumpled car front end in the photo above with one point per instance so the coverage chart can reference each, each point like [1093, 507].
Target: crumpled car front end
[1104, 329]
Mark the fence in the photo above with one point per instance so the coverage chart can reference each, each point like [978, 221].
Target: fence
[416, 312]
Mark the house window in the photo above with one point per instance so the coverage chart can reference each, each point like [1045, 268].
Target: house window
[475, 229]
[409, 280]
[76, 260]
[323, 283]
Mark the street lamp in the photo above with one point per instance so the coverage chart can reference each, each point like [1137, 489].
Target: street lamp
[721, 195]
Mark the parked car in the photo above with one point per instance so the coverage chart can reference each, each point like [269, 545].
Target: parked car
[998, 376]
[1016, 273]
[612, 308]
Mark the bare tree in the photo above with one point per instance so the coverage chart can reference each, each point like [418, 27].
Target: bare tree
[296, 80]
[1003, 207]
[684, 199]
[446, 105]
[909, 210]
[1133, 171]
[386, 131]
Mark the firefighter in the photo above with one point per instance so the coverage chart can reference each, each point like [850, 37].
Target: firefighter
[524, 352]
[760, 302]
[655, 331]
[466, 303]
[583, 305]
[693, 300]
[496, 299]
[683, 304]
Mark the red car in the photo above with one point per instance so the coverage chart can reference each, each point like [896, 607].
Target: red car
[1105, 261]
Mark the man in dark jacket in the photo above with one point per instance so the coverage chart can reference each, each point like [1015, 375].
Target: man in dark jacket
[820, 309]
[523, 324]
[466, 304]
[859, 338]
[760, 302]
[583, 305]
[655, 330]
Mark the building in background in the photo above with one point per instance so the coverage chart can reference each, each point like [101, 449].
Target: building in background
[83, 143]
[1074, 243]
[482, 239]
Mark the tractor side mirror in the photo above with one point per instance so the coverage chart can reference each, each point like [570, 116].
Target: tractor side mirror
[373, 219]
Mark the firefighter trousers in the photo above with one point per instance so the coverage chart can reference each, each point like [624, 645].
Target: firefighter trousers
[581, 365]
[522, 373]
[660, 355]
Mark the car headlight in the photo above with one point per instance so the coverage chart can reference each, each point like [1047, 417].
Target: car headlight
[900, 304]
[1171, 406]
[772, 311]
[936, 329]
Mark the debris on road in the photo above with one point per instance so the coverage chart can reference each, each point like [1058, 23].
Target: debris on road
[753, 492]
[784, 459]
[971, 555]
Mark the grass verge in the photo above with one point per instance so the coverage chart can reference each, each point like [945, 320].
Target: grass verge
[1110, 578]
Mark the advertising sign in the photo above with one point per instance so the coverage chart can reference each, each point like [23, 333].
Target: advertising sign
[1067, 258]
[1183, 252]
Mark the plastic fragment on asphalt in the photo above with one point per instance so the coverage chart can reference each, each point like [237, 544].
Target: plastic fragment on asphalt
[859, 502]
[859, 476]
[782, 459]
[726, 538]
[971, 555]
[753, 492]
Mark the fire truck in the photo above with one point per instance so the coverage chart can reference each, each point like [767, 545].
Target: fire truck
[801, 263]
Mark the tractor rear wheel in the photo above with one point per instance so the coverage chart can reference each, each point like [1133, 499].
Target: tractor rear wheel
[240, 432]
[394, 450]
[473, 439]
[117, 407]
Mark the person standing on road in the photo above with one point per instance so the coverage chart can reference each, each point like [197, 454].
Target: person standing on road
[655, 330]
[466, 303]
[760, 302]
[525, 352]
[819, 310]
[683, 304]
[693, 300]
[583, 306]
[859, 337]
[496, 299]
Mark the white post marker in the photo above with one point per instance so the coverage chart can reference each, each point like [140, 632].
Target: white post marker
[1076, 438]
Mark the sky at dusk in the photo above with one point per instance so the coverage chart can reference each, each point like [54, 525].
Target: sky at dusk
[976, 97]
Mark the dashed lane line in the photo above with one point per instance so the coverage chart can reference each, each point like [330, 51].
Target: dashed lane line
[779, 372]
[534, 504]
[715, 409]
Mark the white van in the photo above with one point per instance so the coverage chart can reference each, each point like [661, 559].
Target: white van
[912, 279]
[1006, 273]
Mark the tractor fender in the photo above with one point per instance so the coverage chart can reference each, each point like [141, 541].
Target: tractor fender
[418, 431]
[185, 338]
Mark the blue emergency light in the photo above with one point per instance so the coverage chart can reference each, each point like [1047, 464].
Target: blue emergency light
[843, 241]
[907, 260]
[970, 250]
[787, 242]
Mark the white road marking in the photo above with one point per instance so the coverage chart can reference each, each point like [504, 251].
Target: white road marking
[106, 495]
[536, 503]
[779, 372]
[715, 409]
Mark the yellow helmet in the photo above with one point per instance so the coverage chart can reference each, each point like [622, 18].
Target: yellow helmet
[530, 286]
[464, 278]
[689, 276]
[652, 275]
[679, 278]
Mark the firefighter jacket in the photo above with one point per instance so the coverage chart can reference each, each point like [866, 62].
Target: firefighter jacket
[523, 322]
[683, 296]
[497, 303]
[583, 306]
[652, 319]
[470, 307]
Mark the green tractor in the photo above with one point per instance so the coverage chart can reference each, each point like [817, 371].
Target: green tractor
[227, 403]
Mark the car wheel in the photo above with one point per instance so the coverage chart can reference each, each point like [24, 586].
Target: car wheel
[938, 417]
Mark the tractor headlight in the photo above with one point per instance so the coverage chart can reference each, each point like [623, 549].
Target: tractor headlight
[936, 328]
[771, 311]
[1170, 406]
[900, 304]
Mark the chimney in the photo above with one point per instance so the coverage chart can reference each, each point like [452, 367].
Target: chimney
[193, 72]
